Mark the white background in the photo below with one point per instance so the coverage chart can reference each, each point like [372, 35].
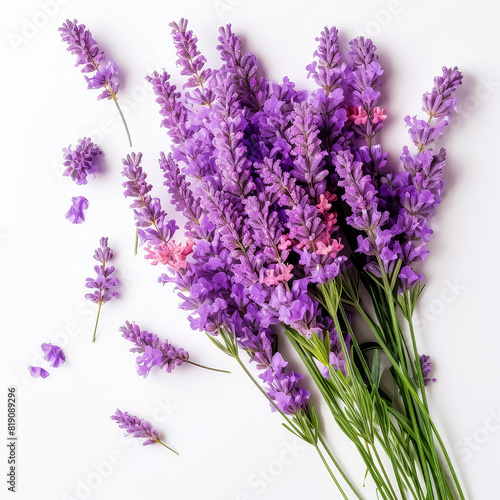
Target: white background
[231, 446]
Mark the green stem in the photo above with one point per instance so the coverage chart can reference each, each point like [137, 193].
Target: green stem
[122, 117]
[337, 465]
[136, 240]
[330, 472]
[97, 320]
[294, 427]
[207, 367]
[413, 415]
[168, 447]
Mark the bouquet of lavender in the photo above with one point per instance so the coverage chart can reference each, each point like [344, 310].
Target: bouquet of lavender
[295, 225]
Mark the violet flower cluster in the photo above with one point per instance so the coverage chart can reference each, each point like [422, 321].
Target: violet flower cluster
[152, 351]
[82, 161]
[259, 212]
[105, 284]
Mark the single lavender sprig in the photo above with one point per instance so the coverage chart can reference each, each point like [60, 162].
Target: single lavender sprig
[139, 428]
[420, 186]
[154, 352]
[81, 161]
[53, 354]
[104, 284]
[93, 60]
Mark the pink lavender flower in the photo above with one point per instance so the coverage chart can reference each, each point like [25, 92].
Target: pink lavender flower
[138, 428]
[75, 212]
[37, 371]
[104, 284]
[379, 115]
[53, 354]
[81, 161]
[170, 254]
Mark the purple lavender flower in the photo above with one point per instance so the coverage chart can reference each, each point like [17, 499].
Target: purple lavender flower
[154, 352]
[242, 69]
[228, 127]
[37, 371]
[182, 196]
[53, 354]
[361, 195]
[81, 161]
[418, 189]
[91, 57]
[363, 80]
[440, 102]
[147, 210]
[174, 112]
[93, 60]
[282, 387]
[75, 212]
[190, 59]
[104, 284]
[139, 428]
[327, 71]
[308, 157]
[426, 366]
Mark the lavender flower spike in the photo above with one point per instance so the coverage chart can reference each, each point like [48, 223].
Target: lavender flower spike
[104, 284]
[139, 428]
[75, 212]
[93, 60]
[155, 353]
[53, 354]
[81, 161]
